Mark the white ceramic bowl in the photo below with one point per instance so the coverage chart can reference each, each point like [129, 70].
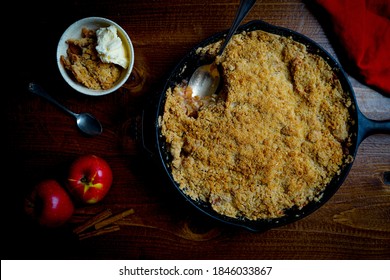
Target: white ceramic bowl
[74, 32]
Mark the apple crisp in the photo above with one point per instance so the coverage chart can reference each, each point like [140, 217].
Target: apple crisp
[272, 139]
[85, 65]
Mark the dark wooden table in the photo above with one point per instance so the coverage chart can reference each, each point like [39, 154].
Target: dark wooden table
[41, 141]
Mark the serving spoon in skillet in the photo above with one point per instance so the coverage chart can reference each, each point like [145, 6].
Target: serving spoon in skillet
[205, 80]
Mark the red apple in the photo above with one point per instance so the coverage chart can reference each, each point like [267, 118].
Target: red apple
[89, 178]
[49, 203]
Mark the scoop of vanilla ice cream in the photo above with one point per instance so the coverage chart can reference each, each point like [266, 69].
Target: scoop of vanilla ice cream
[110, 47]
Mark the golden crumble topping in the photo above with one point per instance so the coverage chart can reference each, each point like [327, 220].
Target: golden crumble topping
[85, 65]
[272, 138]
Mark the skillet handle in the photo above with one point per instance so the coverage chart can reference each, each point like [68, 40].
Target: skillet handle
[369, 127]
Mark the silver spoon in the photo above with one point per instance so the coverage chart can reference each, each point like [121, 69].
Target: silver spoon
[87, 123]
[205, 80]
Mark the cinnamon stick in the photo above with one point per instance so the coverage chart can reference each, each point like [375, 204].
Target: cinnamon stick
[113, 219]
[92, 221]
[99, 232]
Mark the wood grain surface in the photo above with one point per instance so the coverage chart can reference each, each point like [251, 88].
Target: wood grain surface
[41, 141]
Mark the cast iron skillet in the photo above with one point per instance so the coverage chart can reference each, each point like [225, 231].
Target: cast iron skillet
[361, 127]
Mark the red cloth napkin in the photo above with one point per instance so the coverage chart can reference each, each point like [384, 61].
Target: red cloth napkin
[363, 28]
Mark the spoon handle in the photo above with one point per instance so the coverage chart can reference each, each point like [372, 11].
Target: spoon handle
[38, 90]
[243, 10]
